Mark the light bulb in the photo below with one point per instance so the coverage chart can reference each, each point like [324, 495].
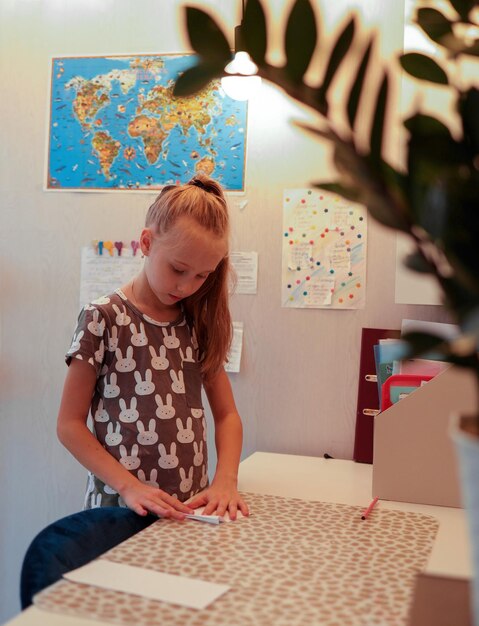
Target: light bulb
[242, 82]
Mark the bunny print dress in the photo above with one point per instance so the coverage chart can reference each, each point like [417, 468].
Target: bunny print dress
[147, 409]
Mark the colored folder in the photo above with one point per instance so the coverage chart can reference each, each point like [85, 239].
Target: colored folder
[368, 400]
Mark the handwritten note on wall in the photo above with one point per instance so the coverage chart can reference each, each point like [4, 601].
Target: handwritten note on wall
[102, 274]
[324, 251]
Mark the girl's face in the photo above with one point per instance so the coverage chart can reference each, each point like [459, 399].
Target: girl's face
[180, 261]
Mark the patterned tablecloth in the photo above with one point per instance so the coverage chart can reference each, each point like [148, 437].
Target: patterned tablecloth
[291, 562]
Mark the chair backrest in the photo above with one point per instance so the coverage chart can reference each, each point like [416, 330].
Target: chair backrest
[72, 542]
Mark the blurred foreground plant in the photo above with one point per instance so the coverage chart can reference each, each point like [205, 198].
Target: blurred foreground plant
[434, 198]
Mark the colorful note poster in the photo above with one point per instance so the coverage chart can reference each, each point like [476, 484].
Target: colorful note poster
[115, 125]
[324, 251]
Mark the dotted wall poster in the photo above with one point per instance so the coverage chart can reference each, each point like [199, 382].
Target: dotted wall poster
[324, 251]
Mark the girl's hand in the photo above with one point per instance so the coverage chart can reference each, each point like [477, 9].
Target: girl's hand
[145, 499]
[219, 497]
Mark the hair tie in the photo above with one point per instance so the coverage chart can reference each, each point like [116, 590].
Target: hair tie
[196, 182]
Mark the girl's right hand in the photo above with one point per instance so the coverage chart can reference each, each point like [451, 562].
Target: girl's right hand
[145, 499]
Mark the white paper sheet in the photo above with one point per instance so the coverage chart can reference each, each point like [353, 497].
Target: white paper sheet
[190, 592]
[245, 265]
[234, 356]
[211, 519]
[103, 274]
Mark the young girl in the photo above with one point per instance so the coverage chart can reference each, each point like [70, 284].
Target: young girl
[138, 360]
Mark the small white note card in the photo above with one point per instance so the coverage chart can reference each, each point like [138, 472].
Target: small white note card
[245, 265]
[234, 355]
[189, 592]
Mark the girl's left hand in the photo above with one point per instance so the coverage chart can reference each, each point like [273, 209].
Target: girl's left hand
[218, 498]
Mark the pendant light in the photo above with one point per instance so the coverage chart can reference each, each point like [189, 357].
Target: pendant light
[241, 81]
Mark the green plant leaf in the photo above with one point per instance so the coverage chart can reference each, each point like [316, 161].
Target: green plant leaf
[367, 178]
[434, 24]
[463, 7]
[422, 343]
[356, 89]
[377, 130]
[206, 37]
[254, 31]
[423, 67]
[339, 51]
[320, 132]
[416, 262]
[300, 39]
[342, 190]
[196, 78]
[426, 126]
[468, 106]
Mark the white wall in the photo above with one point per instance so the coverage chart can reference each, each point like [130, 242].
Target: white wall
[297, 389]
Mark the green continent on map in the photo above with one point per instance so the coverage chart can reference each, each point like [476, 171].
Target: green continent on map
[152, 134]
[107, 150]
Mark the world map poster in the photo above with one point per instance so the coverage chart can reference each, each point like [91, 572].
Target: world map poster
[115, 125]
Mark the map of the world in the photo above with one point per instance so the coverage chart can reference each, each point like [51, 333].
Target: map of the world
[115, 125]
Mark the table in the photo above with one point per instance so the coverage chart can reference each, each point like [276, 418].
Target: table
[327, 481]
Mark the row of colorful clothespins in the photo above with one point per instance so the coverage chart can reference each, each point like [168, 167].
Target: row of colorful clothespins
[114, 248]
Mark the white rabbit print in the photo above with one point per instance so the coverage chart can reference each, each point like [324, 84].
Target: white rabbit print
[197, 413]
[199, 456]
[126, 364]
[189, 355]
[101, 414]
[111, 388]
[167, 461]
[138, 338]
[95, 501]
[76, 342]
[177, 381]
[144, 387]
[170, 341]
[100, 353]
[113, 438]
[101, 300]
[109, 490]
[96, 327]
[153, 482]
[90, 484]
[186, 481]
[194, 339]
[165, 411]
[122, 317]
[147, 437]
[184, 435]
[130, 461]
[159, 361]
[204, 477]
[128, 414]
[113, 339]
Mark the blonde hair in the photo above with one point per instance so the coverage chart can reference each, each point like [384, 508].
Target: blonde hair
[203, 200]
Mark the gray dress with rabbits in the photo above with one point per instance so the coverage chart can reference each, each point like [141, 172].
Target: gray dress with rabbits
[147, 409]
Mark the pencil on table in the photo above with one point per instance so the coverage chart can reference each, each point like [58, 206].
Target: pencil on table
[370, 508]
